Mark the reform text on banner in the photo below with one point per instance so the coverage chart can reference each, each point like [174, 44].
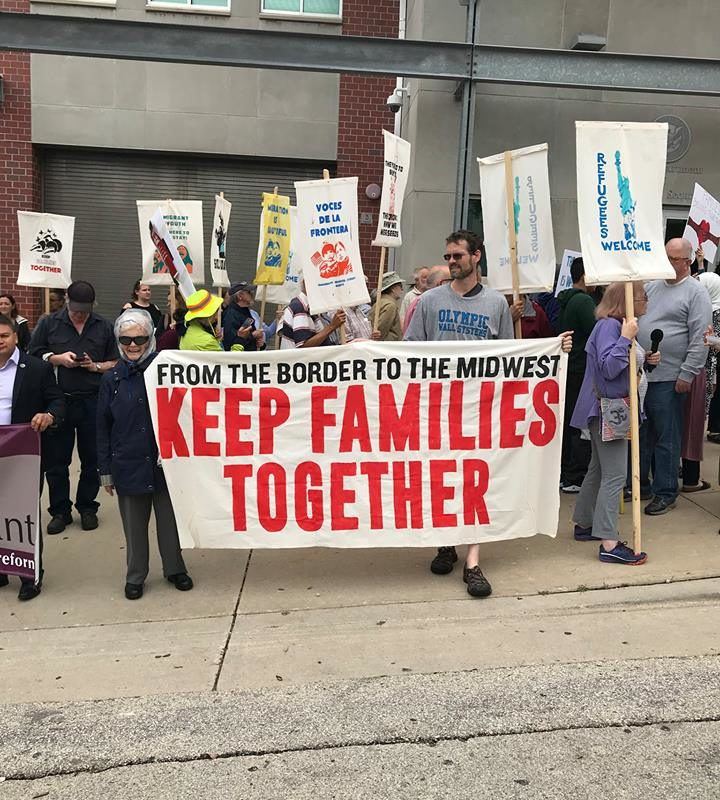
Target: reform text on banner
[19, 500]
[218, 242]
[395, 177]
[184, 222]
[327, 244]
[532, 219]
[620, 177]
[367, 445]
[46, 246]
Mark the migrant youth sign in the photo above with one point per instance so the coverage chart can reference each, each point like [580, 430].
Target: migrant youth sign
[620, 177]
[368, 445]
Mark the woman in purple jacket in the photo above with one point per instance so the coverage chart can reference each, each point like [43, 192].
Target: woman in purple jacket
[607, 374]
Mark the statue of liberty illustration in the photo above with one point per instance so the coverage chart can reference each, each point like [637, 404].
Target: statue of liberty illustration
[627, 204]
[516, 206]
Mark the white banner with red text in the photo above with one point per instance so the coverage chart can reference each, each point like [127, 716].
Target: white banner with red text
[46, 247]
[373, 444]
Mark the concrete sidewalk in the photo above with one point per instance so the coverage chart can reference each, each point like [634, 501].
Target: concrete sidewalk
[300, 616]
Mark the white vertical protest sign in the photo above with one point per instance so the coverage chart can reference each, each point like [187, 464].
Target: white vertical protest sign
[395, 177]
[282, 294]
[169, 253]
[532, 220]
[564, 280]
[703, 225]
[184, 222]
[46, 246]
[327, 243]
[620, 177]
[218, 242]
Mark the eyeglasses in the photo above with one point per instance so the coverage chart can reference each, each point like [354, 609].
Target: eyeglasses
[138, 340]
[454, 256]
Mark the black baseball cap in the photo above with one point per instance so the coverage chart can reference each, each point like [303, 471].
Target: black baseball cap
[243, 286]
[81, 296]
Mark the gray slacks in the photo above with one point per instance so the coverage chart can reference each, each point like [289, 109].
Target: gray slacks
[135, 514]
[598, 503]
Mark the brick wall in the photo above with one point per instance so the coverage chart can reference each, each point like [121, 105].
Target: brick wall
[19, 170]
[363, 115]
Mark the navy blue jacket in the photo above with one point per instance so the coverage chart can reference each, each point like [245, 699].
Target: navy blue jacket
[126, 447]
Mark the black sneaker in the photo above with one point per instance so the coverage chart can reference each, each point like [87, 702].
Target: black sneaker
[28, 590]
[133, 591]
[585, 534]
[645, 494]
[58, 522]
[88, 520]
[477, 584]
[181, 581]
[4, 580]
[659, 506]
[444, 561]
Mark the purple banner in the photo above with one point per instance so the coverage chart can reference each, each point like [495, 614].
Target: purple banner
[19, 500]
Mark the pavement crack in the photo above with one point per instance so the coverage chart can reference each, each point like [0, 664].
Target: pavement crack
[233, 621]
[429, 741]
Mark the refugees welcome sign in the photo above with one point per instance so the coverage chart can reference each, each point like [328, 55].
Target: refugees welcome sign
[367, 445]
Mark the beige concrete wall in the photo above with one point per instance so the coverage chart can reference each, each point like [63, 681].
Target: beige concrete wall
[181, 107]
[508, 117]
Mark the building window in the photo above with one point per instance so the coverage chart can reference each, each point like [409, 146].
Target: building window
[190, 5]
[319, 9]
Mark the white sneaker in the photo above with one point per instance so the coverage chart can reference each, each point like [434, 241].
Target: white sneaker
[570, 488]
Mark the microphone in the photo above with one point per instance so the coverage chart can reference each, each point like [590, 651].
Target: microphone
[656, 337]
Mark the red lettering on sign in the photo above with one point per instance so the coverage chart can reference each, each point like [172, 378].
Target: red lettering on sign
[202, 421]
[375, 472]
[170, 435]
[340, 497]
[355, 426]
[235, 422]
[407, 493]
[267, 497]
[320, 419]
[476, 479]
[238, 474]
[545, 393]
[399, 432]
[308, 496]
[274, 412]
[440, 493]
[510, 415]
[458, 440]
[434, 413]
[485, 419]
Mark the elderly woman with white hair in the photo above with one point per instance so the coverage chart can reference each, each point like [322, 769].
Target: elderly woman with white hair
[128, 458]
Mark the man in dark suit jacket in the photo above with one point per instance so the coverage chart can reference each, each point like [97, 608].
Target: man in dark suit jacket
[28, 394]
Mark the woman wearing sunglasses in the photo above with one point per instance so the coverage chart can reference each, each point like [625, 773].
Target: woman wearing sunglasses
[128, 456]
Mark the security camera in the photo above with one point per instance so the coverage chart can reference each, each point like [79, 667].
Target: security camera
[394, 102]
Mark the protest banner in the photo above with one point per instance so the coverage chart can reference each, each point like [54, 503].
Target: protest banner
[328, 249]
[374, 444]
[184, 222]
[283, 293]
[564, 280]
[395, 177]
[703, 225]
[170, 255]
[274, 246]
[19, 500]
[46, 246]
[515, 186]
[620, 177]
[218, 242]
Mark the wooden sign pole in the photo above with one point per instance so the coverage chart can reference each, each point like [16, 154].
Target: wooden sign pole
[634, 426]
[343, 334]
[220, 288]
[512, 236]
[383, 253]
[47, 300]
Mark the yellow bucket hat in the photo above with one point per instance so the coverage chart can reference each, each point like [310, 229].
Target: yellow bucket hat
[202, 304]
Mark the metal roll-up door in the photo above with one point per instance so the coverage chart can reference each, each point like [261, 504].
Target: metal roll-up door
[100, 188]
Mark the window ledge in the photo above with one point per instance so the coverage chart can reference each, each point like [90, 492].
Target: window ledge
[289, 17]
[170, 8]
[97, 3]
